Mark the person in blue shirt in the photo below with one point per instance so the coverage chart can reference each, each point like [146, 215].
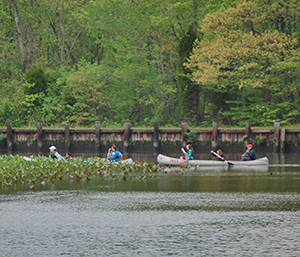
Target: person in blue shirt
[249, 155]
[114, 155]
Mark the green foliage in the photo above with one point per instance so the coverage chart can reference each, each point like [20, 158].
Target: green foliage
[113, 60]
[188, 91]
[3, 137]
[260, 140]
[36, 81]
[39, 170]
[252, 61]
[191, 136]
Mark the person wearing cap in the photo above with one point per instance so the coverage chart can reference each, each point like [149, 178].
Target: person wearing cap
[249, 155]
[54, 154]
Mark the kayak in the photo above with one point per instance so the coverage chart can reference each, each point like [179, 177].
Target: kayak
[163, 159]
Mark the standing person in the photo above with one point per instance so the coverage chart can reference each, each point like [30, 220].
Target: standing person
[69, 157]
[114, 155]
[188, 154]
[249, 155]
[54, 154]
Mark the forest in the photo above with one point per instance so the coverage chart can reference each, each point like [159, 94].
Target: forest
[150, 60]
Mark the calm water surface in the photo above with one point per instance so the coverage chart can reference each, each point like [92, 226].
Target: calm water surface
[186, 213]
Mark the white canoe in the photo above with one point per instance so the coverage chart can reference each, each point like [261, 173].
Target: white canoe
[129, 161]
[254, 168]
[163, 159]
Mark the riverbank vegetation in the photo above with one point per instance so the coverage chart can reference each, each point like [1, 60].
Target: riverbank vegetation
[15, 170]
[150, 60]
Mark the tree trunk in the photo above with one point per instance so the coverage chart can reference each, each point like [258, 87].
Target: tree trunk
[20, 35]
[62, 30]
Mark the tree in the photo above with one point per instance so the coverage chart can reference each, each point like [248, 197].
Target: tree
[188, 90]
[245, 57]
[36, 81]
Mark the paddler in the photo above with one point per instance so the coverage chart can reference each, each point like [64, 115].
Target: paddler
[188, 154]
[249, 155]
[54, 154]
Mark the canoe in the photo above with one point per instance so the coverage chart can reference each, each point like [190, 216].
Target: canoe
[128, 161]
[163, 159]
[254, 168]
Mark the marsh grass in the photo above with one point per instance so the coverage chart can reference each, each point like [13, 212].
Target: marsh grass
[16, 170]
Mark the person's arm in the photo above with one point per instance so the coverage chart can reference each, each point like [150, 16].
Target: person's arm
[121, 157]
[189, 153]
[108, 153]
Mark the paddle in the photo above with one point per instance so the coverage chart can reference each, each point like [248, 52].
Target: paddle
[221, 158]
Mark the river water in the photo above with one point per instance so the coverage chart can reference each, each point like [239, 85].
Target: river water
[188, 213]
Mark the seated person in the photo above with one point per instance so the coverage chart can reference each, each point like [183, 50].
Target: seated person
[114, 155]
[69, 157]
[188, 154]
[249, 155]
[54, 154]
[220, 153]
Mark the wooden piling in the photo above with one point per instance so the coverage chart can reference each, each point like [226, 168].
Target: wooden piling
[9, 137]
[183, 132]
[214, 135]
[156, 134]
[39, 135]
[282, 139]
[127, 133]
[276, 135]
[248, 129]
[67, 135]
[98, 136]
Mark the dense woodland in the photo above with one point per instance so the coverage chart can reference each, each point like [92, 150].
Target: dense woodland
[149, 60]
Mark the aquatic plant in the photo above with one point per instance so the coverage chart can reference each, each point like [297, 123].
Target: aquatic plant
[34, 170]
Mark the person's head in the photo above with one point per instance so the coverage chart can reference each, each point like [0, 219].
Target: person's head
[189, 146]
[52, 148]
[219, 152]
[114, 148]
[67, 154]
[249, 146]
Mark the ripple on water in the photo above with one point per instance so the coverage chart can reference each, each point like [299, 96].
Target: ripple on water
[78, 223]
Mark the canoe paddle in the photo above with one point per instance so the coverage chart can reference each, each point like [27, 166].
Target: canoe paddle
[221, 158]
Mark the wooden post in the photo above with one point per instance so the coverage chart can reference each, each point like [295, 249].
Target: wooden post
[183, 132]
[276, 135]
[97, 132]
[127, 133]
[9, 137]
[156, 134]
[67, 135]
[214, 135]
[248, 129]
[282, 139]
[39, 135]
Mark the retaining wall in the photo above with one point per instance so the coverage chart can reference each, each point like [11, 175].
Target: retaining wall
[152, 141]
